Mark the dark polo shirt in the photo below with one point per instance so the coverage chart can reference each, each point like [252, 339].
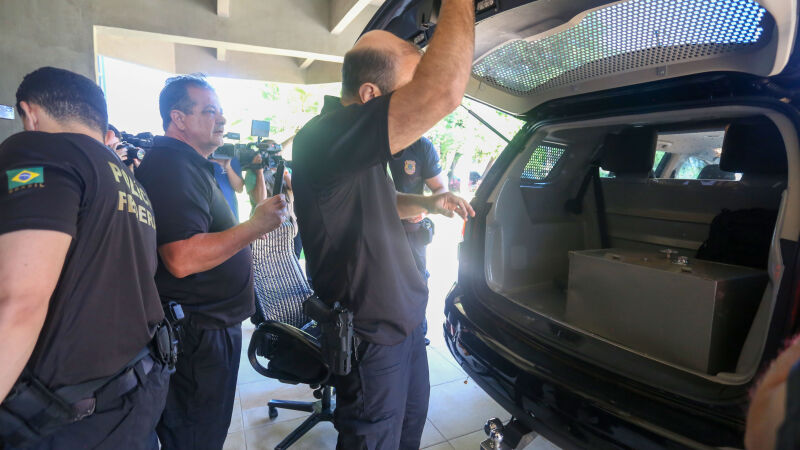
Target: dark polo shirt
[417, 163]
[346, 206]
[187, 201]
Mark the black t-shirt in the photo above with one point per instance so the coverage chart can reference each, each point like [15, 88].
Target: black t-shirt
[416, 164]
[187, 201]
[105, 306]
[356, 248]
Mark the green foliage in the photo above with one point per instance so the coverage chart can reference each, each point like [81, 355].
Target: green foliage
[461, 134]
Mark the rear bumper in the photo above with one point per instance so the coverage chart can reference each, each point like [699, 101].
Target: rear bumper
[543, 401]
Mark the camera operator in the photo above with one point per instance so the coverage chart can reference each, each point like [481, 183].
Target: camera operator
[228, 174]
[349, 214]
[260, 166]
[80, 317]
[127, 146]
[205, 264]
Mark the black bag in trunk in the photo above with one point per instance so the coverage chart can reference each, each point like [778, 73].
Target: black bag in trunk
[740, 237]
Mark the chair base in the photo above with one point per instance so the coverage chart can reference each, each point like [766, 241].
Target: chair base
[321, 411]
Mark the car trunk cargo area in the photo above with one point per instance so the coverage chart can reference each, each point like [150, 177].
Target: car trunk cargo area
[598, 226]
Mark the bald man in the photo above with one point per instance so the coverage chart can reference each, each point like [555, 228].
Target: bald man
[350, 219]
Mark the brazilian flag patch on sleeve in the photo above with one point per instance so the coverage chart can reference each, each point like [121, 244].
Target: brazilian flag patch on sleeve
[25, 178]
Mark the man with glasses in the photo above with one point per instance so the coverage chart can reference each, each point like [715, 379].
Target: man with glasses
[205, 264]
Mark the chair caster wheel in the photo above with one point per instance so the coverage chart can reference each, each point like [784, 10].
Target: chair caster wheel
[318, 394]
[273, 412]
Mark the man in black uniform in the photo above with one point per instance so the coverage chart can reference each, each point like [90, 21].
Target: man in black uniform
[77, 260]
[419, 167]
[205, 263]
[349, 215]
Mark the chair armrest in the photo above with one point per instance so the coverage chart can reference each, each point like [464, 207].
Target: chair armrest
[296, 356]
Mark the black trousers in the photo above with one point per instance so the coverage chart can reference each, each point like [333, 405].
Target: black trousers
[383, 402]
[127, 424]
[201, 391]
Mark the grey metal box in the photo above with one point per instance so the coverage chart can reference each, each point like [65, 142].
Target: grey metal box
[696, 315]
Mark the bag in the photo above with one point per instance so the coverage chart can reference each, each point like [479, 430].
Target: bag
[741, 237]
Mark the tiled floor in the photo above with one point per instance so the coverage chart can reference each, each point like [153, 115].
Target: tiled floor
[458, 407]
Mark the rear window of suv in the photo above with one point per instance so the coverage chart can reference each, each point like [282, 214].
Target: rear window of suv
[691, 155]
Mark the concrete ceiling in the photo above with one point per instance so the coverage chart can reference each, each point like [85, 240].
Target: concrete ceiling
[297, 41]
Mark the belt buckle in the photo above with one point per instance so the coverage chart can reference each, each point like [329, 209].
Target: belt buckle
[83, 408]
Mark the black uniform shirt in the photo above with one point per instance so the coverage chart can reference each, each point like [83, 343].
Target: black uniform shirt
[105, 306]
[187, 201]
[346, 207]
[418, 162]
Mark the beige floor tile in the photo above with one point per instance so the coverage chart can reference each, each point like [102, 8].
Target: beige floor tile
[259, 417]
[471, 441]
[235, 441]
[258, 394]
[321, 437]
[430, 435]
[442, 446]
[442, 370]
[247, 374]
[540, 443]
[236, 417]
[457, 409]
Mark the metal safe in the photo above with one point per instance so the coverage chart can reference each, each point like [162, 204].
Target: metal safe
[685, 311]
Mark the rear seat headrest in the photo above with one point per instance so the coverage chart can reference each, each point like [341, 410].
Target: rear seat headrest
[753, 146]
[630, 151]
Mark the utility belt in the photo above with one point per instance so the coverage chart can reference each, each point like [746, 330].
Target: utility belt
[31, 411]
[424, 229]
[338, 341]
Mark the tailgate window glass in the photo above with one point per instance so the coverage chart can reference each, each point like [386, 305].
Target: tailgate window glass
[625, 36]
[543, 160]
[691, 156]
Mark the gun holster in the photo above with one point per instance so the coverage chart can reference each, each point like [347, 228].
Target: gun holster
[173, 313]
[337, 339]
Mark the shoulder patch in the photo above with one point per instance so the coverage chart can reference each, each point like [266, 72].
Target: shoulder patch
[25, 178]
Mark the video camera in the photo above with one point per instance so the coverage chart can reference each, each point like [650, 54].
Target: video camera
[135, 145]
[268, 150]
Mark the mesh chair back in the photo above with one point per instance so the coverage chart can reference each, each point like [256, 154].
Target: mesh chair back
[280, 283]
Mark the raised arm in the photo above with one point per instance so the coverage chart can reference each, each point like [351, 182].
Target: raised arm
[440, 79]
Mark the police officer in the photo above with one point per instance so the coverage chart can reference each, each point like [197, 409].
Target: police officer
[349, 215]
[419, 167]
[78, 304]
[205, 262]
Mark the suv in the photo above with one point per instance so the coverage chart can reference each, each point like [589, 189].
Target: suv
[633, 264]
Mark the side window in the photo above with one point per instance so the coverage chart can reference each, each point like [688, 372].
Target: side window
[693, 155]
[543, 160]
